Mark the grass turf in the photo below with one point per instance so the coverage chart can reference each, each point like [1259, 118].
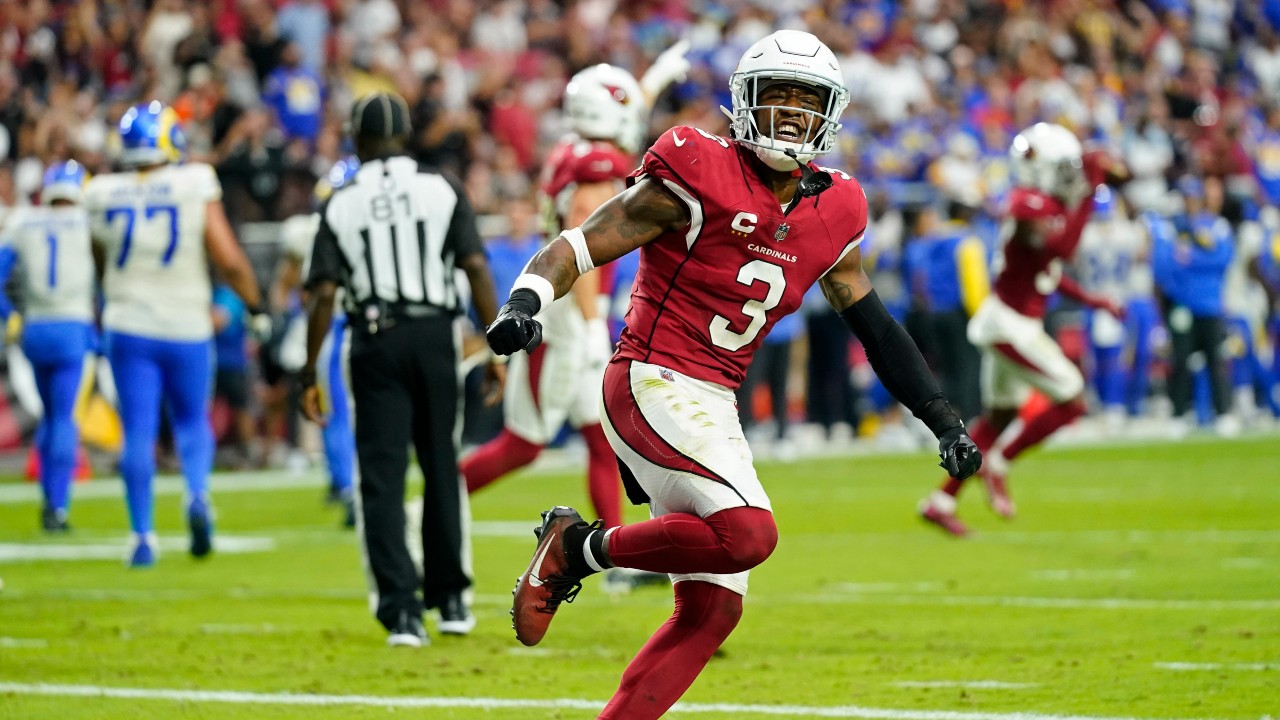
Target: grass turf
[1123, 561]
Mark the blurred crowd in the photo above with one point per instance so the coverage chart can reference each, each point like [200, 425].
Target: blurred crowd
[1186, 92]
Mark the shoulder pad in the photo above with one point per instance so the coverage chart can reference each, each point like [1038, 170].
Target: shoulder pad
[596, 162]
[681, 155]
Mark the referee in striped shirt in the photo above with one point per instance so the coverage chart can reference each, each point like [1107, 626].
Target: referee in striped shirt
[392, 238]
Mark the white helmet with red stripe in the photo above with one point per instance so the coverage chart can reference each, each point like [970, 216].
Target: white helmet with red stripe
[1049, 158]
[604, 102]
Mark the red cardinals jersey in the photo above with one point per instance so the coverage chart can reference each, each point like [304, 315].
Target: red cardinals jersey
[1031, 271]
[576, 162]
[706, 295]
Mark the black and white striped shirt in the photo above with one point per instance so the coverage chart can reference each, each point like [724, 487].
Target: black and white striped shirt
[394, 234]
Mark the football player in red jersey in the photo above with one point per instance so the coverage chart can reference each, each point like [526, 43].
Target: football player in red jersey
[731, 232]
[1048, 209]
[560, 380]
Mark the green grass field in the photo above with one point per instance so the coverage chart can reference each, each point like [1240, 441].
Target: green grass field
[1138, 582]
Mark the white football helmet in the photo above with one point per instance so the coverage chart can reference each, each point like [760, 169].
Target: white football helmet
[604, 102]
[795, 57]
[1047, 157]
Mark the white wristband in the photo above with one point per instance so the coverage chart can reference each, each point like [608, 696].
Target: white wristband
[581, 254]
[539, 285]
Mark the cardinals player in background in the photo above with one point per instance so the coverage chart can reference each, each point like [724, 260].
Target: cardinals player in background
[731, 233]
[1049, 207]
[561, 380]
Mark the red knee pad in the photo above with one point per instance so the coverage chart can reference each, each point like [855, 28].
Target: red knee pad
[748, 534]
[713, 609]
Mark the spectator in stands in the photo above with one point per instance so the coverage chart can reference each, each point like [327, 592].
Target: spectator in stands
[306, 22]
[296, 94]
[252, 167]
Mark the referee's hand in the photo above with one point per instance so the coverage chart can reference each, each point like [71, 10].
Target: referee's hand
[514, 329]
[495, 380]
[312, 401]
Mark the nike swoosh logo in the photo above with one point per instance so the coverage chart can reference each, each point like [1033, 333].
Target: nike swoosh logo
[534, 571]
[676, 138]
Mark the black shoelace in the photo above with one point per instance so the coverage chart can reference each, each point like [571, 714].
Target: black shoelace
[562, 589]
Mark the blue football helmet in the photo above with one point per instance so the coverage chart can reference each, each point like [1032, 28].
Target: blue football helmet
[340, 174]
[64, 181]
[151, 135]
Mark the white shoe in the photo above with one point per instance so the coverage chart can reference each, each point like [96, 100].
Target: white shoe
[455, 617]
[1178, 428]
[408, 633]
[1227, 426]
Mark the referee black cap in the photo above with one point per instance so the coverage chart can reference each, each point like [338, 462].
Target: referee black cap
[380, 115]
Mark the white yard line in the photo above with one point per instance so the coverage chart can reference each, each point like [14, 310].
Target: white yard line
[8, 642]
[175, 485]
[1186, 666]
[255, 698]
[1027, 602]
[225, 544]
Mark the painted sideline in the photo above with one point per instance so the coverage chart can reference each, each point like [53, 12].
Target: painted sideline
[253, 698]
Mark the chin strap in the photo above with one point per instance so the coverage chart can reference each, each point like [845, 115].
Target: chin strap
[811, 183]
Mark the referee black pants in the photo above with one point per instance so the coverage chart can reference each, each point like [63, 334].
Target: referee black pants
[405, 383]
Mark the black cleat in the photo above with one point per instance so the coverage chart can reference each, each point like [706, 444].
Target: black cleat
[54, 520]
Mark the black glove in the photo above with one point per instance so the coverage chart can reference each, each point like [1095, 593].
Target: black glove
[515, 329]
[960, 457]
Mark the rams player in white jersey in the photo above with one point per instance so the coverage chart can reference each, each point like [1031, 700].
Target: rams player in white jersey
[157, 225]
[299, 235]
[51, 243]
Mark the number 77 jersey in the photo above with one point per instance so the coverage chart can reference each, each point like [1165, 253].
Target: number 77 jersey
[151, 226]
[705, 296]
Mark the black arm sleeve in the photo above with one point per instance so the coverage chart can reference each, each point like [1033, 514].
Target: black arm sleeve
[327, 261]
[899, 364]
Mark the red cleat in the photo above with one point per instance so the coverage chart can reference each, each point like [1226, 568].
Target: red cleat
[940, 510]
[547, 582]
[993, 474]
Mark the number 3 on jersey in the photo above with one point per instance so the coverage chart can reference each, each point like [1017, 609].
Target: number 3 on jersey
[766, 272]
[150, 213]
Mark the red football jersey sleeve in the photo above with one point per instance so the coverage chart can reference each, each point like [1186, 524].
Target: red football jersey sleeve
[572, 163]
[582, 162]
[706, 295]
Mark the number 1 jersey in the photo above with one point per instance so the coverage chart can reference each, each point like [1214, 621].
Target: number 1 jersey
[152, 227]
[706, 295]
[53, 245]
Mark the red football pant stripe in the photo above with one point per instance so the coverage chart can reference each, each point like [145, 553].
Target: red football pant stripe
[634, 430]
